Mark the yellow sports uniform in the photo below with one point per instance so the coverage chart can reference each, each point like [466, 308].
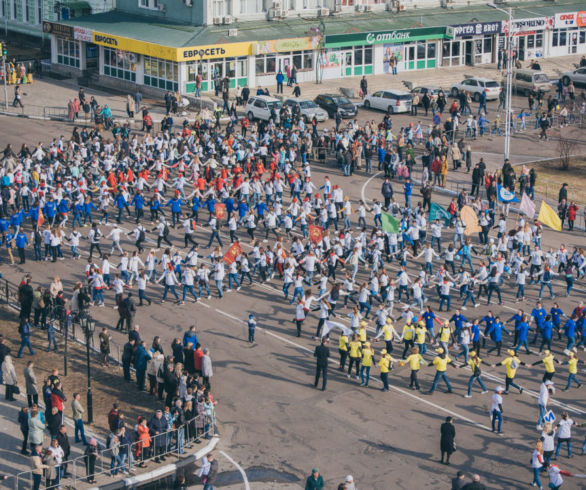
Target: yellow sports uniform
[441, 363]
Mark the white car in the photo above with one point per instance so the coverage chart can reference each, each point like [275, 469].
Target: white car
[390, 101]
[577, 76]
[475, 86]
[308, 109]
[259, 107]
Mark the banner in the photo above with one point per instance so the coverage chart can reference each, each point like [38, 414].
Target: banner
[527, 206]
[470, 219]
[316, 233]
[505, 195]
[437, 212]
[329, 326]
[220, 210]
[40, 218]
[389, 224]
[549, 217]
[234, 251]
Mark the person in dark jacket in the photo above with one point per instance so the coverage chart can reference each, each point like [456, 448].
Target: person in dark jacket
[364, 86]
[23, 416]
[54, 422]
[474, 484]
[447, 441]
[322, 353]
[387, 192]
[158, 426]
[458, 481]
[142, 357]
[63, 440]
[130, 311]
[563, 194]
[127, 356]
[314, 481]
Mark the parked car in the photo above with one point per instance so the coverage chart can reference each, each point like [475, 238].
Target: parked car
[526, 81]
[475, 86]
[432, 92]
[308, 109]
[577, 76]
[332, 102]
[391, 101]
[259, 107]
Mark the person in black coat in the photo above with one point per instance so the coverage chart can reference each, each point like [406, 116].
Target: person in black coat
[53, 421]
[63, 440]
[127, 356]
[158, 426]
[322, 353]
[447, 441]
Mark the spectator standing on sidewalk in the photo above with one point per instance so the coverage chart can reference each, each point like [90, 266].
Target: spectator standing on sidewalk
[32, 392]
[314, 481]
[37, 466]
[206, 368]
[25, 338]
[23, 422]
[9, 378]
[78, 412]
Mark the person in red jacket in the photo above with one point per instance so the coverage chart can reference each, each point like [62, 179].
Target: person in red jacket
[197, 359]
[572, 212]
[58, 398]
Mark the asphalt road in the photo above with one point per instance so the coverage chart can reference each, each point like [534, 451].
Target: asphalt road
[271, 416]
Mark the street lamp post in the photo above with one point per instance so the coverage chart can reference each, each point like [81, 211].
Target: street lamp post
[88, 325]
[509, 83]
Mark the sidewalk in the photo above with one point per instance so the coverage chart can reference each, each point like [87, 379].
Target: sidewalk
[51, 93]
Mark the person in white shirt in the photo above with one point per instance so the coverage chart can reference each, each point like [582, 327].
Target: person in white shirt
[170, 283]
[115, 234]
[142, 284]
[564, 434]
[188, 280]
[496, 410]
[219, 277]
[73, 238]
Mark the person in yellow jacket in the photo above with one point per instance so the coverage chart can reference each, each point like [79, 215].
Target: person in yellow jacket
[421, 334]
[415, 360]
[548, 361]
[343, 350]
[441, 363]
[511, 364]
[362, 336]
[385, 365]
[408, 336]
[388, 333]
[572, 363]
[355, 354]
[445, 335]
[474, 362]
[367, 360]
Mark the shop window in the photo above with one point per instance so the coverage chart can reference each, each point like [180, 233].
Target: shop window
[582, 36]
[431, 51]
[120, 64]
[487, 44]
[68, 52]
[160, 73]
[266, 64]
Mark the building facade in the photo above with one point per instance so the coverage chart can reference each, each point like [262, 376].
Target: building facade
[125, 49]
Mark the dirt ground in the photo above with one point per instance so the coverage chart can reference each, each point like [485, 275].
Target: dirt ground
[550, 177]
[108, 385]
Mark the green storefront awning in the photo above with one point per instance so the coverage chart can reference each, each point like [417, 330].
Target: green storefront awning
[395, 36]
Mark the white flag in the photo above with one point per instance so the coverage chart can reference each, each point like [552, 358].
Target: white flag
[329, 326]
[527, 206]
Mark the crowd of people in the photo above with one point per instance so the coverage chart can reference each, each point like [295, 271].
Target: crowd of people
[131, 207]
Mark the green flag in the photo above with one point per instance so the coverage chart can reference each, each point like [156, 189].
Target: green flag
[437, 212]
[390, 224]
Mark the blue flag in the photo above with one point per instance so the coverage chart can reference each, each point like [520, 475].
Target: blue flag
[505, 195]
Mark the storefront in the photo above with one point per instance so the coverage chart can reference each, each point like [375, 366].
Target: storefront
[472, 44]
[377, 52]
[568, 35]
[529, 36]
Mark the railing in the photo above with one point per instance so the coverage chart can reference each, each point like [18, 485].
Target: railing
[121, 459]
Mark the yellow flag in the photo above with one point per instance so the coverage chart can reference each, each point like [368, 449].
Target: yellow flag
[549, 217]
[471, 220]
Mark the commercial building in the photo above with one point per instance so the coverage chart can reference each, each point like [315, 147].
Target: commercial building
[165, 46]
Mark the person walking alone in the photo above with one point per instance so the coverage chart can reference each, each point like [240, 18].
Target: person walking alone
[447, 440]
[321, 353]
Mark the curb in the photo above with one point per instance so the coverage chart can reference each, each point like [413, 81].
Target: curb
[162, 471]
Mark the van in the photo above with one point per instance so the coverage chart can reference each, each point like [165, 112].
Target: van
[526, 81]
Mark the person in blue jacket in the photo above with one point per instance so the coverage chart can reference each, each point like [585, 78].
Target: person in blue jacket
[496, 334]
[155, 207]
[546, 334]
[408, 192]
[522, 333]
[63, 208]
[229, 202]
[569, 331]
[489, 320]
[88, 206]
[120, 203]
[138, 203]
[175, 203]
[538, 315]
[195, 205]
[242, 211]
[77, 212]
[50, 211]
[21, 241]
[517, 318]
[556, 318]
[210, 205]
[458, 320]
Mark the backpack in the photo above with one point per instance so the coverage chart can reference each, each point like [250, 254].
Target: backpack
[141, 235]
[166, 230]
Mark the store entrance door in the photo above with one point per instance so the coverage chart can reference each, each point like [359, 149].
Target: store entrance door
[573, 44]
[91, 57]
[469, 53]
[346, 63]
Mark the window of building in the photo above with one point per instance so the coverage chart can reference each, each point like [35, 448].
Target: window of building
[161, 73]
[311, 4]
[13, 10]
[560, 37]
[451, 53]
[583, 35]
[68, 52]
[266, 64]
[3, 8]
[221, 8]
[120, 64]
[26, 11]
[251, 7]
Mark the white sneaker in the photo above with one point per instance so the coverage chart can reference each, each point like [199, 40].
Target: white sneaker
[463, 308]
[484, 392]
[539, 427]
[228, 290]
[238, 288]
[467, 396]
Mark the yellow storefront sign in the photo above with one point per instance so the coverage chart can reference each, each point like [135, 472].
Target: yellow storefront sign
[228, 50]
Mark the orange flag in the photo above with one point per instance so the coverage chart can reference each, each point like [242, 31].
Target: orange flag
[316, 233]
[40, 218]
[234, 251]
[220, 211]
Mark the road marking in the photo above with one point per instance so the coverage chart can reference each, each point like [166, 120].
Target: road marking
[240, 469]
[365, 185]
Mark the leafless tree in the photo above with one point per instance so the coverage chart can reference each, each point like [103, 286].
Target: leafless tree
[566, 148]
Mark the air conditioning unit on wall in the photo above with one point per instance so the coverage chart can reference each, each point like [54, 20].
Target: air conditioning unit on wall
[324, 12]
[217, 20]
[228, 19]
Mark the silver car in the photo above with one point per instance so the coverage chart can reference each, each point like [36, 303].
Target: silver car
[308, 109]
[577, 76]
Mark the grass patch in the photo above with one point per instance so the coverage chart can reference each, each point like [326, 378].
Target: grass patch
[550, 178]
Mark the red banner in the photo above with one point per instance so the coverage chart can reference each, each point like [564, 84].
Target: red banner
[316, 233]
[234, 251]
[220, 211]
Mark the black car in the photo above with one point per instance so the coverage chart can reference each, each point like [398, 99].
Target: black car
[332, 102]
